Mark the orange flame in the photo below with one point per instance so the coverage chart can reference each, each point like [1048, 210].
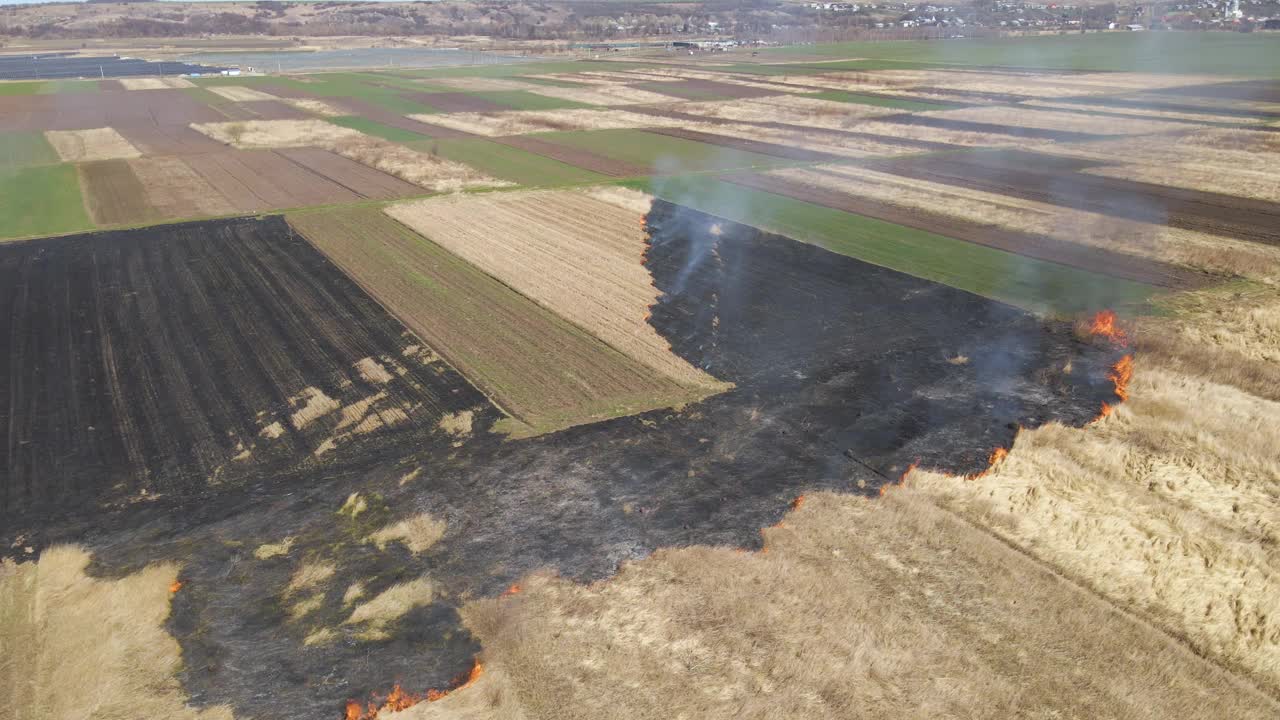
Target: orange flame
[1105, 325]
[795, 504]
[515, 588]
[175, 586]
[1121, 373]
[902, 479]
[399, 699]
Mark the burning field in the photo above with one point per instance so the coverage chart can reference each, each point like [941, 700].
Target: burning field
[753, 388]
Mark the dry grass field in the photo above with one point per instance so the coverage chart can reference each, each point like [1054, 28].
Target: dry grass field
[856, 608]
[87, 145]
[521, 122]
[237, 93]
[575, 254]
[79, 646]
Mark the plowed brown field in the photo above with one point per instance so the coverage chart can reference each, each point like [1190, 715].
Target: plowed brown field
[575, 254]
[544, 371]
[114, 194]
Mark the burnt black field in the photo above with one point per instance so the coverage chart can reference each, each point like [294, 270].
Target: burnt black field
[845, 372]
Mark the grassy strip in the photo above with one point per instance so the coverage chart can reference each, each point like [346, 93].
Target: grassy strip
[377, 129]
[58, 87]
[662, 153]
[18, 149]
[21, 88]
[515, 69]
[525, 100]
[508, 163]
[1168, 52]
[1028, 283]
[41, 200]
[878, 101]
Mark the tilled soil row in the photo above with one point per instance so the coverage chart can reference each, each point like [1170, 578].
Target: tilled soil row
[1039, 247]
[1213, 213]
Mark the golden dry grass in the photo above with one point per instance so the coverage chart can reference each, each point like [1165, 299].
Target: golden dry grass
[1214, 148]
[239, 93]
[388, 606]
[1158, 242]
[168, 83]
[944, 135]
[252, 134]
[859, 609]
[88, 145]
[1022, 116]
[1135, 111]
[75, 647]
[523, 122]
[319, 107]
[418, 533]
[603, 94]
[576, 255]
[793, 109]
[1171, 505]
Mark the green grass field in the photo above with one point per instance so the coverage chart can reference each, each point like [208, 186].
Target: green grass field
[21, 88]
[18, 149]
[661, 153]
[377, 129]
[524, 100]
[359, 86]
[1256, 54]
[508, 163]
[41, 200]
[58, 87]
[1025, 282]
[879, 101]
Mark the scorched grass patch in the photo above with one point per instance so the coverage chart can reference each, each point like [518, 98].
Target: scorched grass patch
[546, 372]
[177, 382]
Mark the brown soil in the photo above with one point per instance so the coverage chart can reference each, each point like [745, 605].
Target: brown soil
[360, 179]
[1030, 245]
[457, 102]
[755, 146]
[169, 140]
[80, 111]
[573, 156]
[114, 194]
[1240, 218]
[176, 191]
[253, 180]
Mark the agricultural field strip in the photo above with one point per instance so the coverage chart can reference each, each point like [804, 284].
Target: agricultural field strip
[578, 256]
[861, 193]
[1153, 241]
[1229, 216]
[541, 369]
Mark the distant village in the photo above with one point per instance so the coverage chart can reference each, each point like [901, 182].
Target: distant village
[1204, 14]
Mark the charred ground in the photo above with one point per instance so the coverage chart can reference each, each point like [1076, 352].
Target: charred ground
[845, 373]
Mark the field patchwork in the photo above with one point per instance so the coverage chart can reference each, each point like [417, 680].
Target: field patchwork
[541, 369]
